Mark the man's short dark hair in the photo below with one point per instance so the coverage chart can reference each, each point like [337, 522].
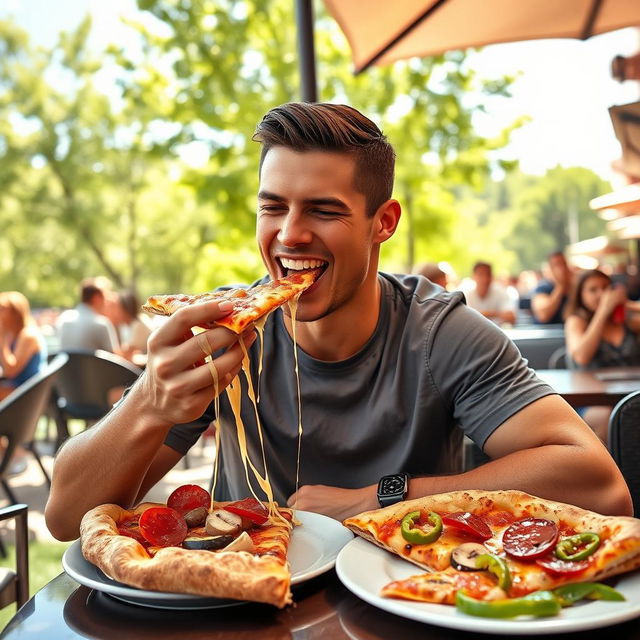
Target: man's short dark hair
[482, 265]
[305, 126]
[89, 288]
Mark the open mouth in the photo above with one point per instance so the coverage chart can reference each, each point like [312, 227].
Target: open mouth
[289, 265]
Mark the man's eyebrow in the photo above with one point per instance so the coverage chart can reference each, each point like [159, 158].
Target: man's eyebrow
[331, 202]
[268, 195]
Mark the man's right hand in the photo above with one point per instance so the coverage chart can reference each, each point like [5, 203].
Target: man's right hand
[177, 385]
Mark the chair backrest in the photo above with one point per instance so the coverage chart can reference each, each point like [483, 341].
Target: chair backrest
[559, 359]
[84, 384]
[537, 345]
[15, 585]
[624, 442]
[21, 410]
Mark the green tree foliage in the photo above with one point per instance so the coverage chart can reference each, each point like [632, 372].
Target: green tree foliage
[76, 173]
[547, 211]
[138, 163]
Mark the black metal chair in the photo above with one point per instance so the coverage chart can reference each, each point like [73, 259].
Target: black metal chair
[537, 345]
[14, 585]
[82, 389]
[559, 359]
[19, 415]
[624, 442]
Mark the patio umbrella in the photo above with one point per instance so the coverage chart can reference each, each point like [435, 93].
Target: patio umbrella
[626, 124]
[380, 32]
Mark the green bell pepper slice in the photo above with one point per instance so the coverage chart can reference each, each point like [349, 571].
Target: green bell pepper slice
[570, 593]
[498, 567]
[417, 535]
[538, 604]
[577, 547]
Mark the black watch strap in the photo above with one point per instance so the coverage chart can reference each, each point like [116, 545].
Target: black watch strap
[393, 488]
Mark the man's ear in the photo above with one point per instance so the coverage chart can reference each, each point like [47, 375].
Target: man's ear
[386, 221]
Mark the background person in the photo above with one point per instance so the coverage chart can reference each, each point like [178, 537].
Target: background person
[601, 331]
[433, 272]
[550, 295]
[23, 351]
[489, 297]
[133, 327]
[390, 366]
[86, 327]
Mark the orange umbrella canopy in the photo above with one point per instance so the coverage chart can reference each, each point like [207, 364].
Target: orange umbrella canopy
[383, 31]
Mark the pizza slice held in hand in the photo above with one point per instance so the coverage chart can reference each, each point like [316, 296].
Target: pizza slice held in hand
[250, 304]
[481, 550]
[235, 550]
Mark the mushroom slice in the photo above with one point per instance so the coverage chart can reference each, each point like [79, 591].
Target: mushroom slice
[463, 557]
[221, 522]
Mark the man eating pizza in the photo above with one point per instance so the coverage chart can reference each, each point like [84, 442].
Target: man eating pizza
[392, 370]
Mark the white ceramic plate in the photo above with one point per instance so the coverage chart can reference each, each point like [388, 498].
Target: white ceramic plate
[365, 569]
[313, 550]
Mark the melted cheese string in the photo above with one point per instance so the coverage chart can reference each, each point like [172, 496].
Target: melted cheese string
[235, 400]
[259, 327]
[216, 405]
[293, 308]
[234, 394]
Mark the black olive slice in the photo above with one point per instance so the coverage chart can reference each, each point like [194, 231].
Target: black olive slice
[210, 543]
[463, 557]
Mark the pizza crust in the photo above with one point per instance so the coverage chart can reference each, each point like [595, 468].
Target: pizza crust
[236, 575]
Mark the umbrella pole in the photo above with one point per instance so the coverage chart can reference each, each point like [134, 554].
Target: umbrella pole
[306, 50]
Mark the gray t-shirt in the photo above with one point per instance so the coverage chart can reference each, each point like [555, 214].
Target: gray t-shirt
[431, 364]
[83, 328]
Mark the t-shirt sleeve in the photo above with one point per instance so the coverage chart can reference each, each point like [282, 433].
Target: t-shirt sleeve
[545, 287]
[479, 372]
[182, 437]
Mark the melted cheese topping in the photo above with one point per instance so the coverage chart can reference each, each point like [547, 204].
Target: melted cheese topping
[234, 394]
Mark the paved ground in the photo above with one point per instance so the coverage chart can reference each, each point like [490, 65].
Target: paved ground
[31, 488]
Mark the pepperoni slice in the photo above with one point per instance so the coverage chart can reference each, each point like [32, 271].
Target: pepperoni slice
[131, 529]
[469, 523]
[163, 527]
[558, 567]
[249, 508]
[530, 538]
[189, 497]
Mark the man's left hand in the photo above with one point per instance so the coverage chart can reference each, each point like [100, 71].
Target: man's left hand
[333, 501]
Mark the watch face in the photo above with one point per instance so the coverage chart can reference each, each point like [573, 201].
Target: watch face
[392, 485]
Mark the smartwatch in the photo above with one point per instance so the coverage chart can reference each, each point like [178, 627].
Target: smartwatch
[393, 488]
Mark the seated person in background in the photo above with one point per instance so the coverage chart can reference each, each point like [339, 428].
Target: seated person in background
[433, 272]
[489, 297]
[86, 326]
[23, 351]
[390, 366]
[550, 296]
[601, 330]
[134, 327]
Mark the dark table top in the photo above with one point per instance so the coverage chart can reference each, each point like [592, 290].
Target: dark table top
[595, 387]
[324, 609]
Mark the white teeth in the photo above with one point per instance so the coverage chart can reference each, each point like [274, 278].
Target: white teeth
[297, 265]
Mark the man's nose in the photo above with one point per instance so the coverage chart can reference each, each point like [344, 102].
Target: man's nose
[294, 230]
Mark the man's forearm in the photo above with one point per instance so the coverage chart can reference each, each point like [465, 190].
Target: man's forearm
[105, 464]
[600, 492]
